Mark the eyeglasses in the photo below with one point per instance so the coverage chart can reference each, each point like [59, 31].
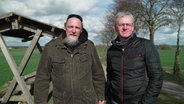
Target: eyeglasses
[126, 24]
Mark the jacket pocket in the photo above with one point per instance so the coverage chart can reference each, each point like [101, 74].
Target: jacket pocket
[135, 56]
[58, 98]
[58, 66]
[88, 95]
[134, 61]
[84, 65]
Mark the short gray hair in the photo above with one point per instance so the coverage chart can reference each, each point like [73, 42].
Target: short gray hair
[122, 14]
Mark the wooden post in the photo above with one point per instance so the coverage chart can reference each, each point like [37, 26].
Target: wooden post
[13, 67]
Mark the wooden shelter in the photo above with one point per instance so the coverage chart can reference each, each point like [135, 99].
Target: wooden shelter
[14, 25]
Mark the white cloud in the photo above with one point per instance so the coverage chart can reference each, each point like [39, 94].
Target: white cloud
[54, 12]
[93, 24]
[44, 40]
[168, 35]
[48, 7]
[10, 41]
[15, 6]
[56, 20]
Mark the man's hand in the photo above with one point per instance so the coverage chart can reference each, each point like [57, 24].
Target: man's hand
[101, 102]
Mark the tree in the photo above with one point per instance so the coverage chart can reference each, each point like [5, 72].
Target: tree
[108, 33]
[149, 15]
[154, 15]
[176, 11]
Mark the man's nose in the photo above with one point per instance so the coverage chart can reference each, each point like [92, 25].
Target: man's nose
[73, 29]
[124, 27]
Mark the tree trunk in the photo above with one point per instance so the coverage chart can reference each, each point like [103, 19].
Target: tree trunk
[176, 65]
[152, 34]
[176, 68]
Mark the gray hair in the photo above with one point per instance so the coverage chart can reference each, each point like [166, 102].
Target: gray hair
[122, 14]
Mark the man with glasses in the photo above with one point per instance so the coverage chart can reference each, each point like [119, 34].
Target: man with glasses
[134, 72]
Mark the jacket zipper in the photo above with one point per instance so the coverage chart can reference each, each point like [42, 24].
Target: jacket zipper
[122, 69]
[72, 76]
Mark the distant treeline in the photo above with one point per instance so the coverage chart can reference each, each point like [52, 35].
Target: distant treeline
[161, 46]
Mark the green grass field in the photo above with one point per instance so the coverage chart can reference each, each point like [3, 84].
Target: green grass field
[5, 72]
[166, 56]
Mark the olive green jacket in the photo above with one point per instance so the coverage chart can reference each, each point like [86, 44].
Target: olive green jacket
[77, 76]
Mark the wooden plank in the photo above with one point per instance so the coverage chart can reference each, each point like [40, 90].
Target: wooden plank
[39, 47]
[18, 98]
[30, 75]
[21, 68]
[13, 67]
[15, 24]
[9, 59]
[5, 28]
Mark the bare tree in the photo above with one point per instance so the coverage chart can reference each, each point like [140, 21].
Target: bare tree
[108, 33]
[154, 15]
[176, 11]
[149, 15]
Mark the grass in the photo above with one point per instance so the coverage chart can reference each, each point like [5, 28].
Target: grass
[5, 73]
[179, 79]
[102, 53]
[165, 98]
[167, 59]
[166, 56]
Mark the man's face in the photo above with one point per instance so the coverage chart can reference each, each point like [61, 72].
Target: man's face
[124, 27]
[73, 28]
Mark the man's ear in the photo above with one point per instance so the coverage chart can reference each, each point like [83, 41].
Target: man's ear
[64, 26]
[115, 28]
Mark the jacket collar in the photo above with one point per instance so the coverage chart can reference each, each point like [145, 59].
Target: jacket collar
[123, 43]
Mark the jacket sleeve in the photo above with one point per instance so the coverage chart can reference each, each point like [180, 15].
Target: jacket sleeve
[97, 74]
[154, 73]
[42, 79]
[108, 76]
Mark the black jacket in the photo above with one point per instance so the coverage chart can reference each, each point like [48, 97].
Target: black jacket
[134, 72]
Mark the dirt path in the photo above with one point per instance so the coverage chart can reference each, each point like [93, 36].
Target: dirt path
[174, 89]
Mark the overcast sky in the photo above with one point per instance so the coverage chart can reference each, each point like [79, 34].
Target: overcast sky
[55, 12]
